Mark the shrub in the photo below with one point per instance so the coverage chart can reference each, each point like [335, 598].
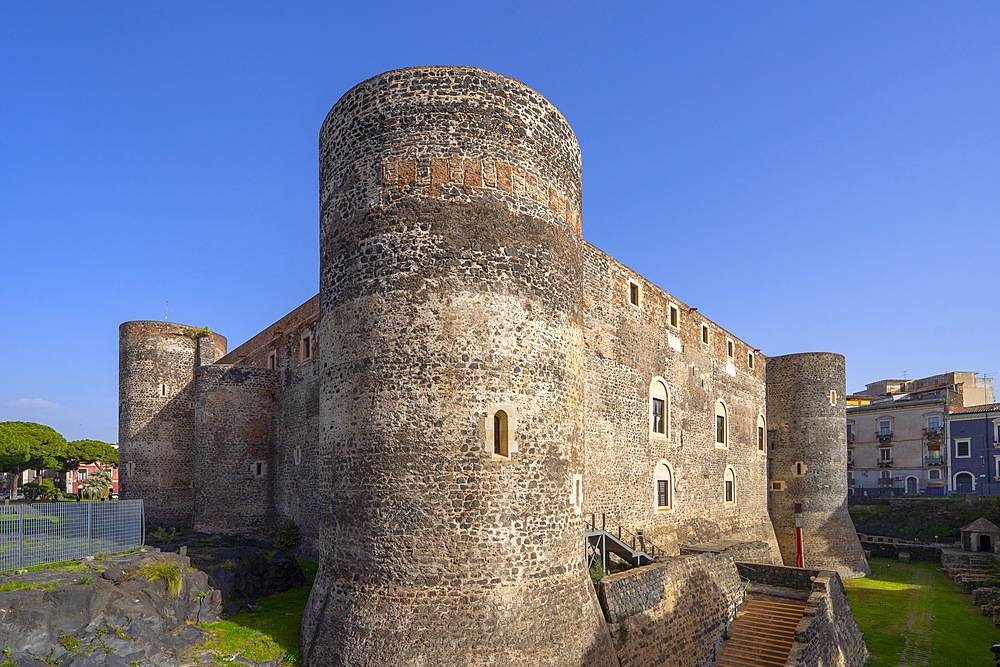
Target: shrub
[286, 536]
[165, 571]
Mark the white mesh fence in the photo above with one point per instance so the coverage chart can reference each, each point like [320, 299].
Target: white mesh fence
[37, 533]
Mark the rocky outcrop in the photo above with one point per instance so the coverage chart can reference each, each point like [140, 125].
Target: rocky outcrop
[136, 609]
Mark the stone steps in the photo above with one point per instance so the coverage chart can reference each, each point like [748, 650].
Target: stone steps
[762, 635]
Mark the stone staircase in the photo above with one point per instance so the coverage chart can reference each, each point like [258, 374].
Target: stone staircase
[762, 634]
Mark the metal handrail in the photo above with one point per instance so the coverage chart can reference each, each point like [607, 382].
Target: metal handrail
[645, 546]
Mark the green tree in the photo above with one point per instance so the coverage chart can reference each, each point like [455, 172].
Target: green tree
[26, 446]
[89, 451]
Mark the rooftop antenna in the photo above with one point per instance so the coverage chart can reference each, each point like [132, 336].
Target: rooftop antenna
[166, 311]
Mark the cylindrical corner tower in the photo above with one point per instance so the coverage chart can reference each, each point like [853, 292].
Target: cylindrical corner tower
[451, 391]
[156, 414]
[806, 412]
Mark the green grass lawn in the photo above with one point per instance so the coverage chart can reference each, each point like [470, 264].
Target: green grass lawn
[271, 630]
[910, 610]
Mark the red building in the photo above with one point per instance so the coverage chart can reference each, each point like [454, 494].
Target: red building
[76, 478]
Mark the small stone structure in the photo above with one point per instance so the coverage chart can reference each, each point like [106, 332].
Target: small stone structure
[472, 378]
[981, 535]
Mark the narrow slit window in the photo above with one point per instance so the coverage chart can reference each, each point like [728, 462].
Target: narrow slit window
[675, 316]
[730, 349]
[704, 334]
[163, 390]
[833, 397]
[662, 493]
[760, 438]
[730, 486]
[272, 361]
[750, 360]
[307, 351]
[500, 444]
[633, 293]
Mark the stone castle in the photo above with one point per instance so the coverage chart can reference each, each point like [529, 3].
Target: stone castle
[471, 381]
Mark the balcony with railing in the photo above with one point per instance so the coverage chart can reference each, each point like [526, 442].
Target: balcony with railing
[934, 433]
[934, 460]
[884, 437]
[885, 463]
[885, 481]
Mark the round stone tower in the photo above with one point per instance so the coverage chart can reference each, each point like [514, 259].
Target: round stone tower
[156, 414]
[450, 339]
[806, 414]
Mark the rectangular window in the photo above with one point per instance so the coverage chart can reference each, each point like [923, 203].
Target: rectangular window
[850, 456]
[307, 351]
[850, 430]
[675, 316]
[729, 491]
[760, 438]
[884, 427]
[704, 334]
[633, 293]
[884, 454]
[750, 359]
[962, 449]
[933, 424]
[885, 474]
[850, 478]
[720, 430]
[730, 349]
[272, 361]
[658, 421]
[662, 494]
[996, 435]
[82, 476]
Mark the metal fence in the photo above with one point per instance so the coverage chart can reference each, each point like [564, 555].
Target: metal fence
[37, 533]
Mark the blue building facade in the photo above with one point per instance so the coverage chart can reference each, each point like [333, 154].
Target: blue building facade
[974, 450]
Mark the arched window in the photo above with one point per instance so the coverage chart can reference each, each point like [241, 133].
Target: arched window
[721, 425]
[934, 474]
[659, 408]
[499, 431]
[730, 486]
[663, 479]
[761, 433]
[500, 444]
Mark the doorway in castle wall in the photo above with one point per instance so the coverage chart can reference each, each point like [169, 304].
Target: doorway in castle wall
[985, 543]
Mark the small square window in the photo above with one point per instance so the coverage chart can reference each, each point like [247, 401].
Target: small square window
[633, 293]
[675, 316]
[962, 449]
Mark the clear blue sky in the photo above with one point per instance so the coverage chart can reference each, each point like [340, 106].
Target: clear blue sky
[814, 176]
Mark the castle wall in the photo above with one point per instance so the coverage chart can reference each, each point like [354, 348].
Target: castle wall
[672, 612]
[299, 484]
[450, 293]
[156, 415]
[808, 419]
[235, 419]
[626, 348]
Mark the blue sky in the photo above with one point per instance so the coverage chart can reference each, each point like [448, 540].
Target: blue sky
[813, 176]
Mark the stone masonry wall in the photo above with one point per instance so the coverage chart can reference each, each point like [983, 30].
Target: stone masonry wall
[626, 348]
[828, 633]
[299, 485]
[156, 415]
[672, 612]
[234, 491]
[807, 418]
[448, 293]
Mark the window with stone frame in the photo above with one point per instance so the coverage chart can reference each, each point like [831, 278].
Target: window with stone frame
[659, 408]
[675, 316]
[634, 293]
[664, 486]
[934, 474]
[730, 486]
[884, 427]
[721, 425]
[884, 454]
[761, 433]
[705, 334]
